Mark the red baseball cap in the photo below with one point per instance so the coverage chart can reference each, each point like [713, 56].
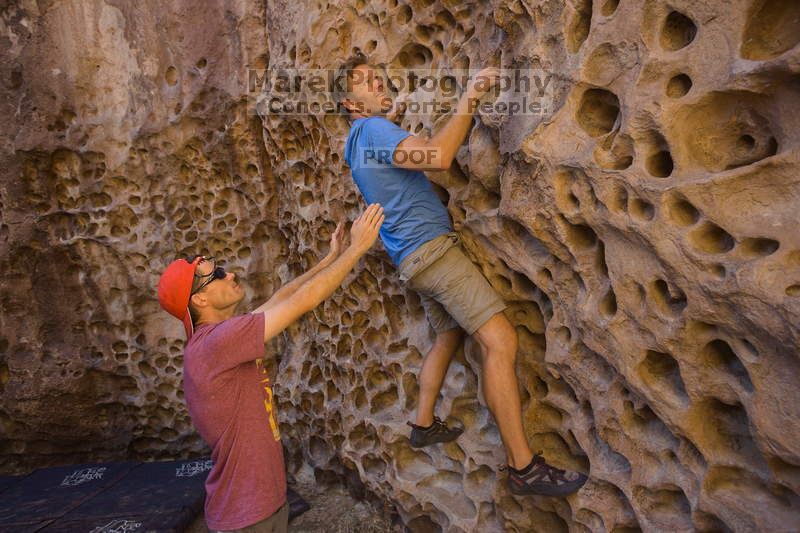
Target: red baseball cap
[175, 288]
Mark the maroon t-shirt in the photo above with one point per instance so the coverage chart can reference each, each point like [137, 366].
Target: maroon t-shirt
[229, 397]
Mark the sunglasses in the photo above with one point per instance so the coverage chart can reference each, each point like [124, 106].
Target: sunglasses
[216, 273]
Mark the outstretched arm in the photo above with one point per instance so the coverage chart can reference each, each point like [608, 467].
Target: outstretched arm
[438, 152]
[312, 292]
[337, 240]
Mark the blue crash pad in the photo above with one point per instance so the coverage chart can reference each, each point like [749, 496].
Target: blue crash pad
[157, 497]
[45, 495]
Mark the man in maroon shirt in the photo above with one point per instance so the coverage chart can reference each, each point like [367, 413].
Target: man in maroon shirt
[227, 389]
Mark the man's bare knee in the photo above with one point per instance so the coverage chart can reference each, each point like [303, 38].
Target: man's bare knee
[497, 335]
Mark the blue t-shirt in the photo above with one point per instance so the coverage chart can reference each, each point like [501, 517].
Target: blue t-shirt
[413, 213]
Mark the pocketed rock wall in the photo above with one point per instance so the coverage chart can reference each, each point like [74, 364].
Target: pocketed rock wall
[644, 235]
[126, 143]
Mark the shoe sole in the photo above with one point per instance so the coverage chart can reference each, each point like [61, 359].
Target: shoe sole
[416, 445]
[546, 490]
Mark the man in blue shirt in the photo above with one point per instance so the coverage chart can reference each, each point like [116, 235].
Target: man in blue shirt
[387, 163]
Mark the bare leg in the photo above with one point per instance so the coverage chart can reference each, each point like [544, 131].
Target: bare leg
[434, 369]
[498, 340]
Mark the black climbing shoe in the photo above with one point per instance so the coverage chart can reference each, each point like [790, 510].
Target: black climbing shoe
[436, 432]
[544, 480]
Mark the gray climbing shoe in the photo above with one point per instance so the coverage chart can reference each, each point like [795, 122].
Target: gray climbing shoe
[436, 432]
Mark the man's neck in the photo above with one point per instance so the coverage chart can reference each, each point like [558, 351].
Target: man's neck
[215, 316]
[355, 116]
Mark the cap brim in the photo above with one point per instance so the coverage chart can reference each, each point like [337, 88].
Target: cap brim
[187, 325]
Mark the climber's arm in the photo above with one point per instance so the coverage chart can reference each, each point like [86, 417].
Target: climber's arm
[438, 152]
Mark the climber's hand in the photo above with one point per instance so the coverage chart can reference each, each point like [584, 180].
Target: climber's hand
[482, 82]
[365, 228]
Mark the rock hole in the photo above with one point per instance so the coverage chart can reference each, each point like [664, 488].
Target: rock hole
[725, 431]
[581, 236]
[171, 76]
[306, 198]
[579, 25]
[746, 142]
[661, 369]
[667, 509]
[707, 522]
[773, 27]
[609, 7]
[15, 79]
[719, 354]
[717, 270]
[679, 86]
[660, 164]
[383, 400]
[678, 31]
[642, 209]
[201, 63]
[712, 239]
[360, 398]
[598, 111]
[668, 299]
[423, 523]
[564, 335]
[600, 259]
[727, 130]
[759, 246]
[744, 151]
[608, 305]
[413, 56]
[410, 389]
[681, 212]
[404, 14]
[793, 290]
[423, 32]
[591, 520]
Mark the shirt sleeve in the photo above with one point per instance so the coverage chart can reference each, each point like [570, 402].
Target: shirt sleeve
[237, 340]
[383, 136]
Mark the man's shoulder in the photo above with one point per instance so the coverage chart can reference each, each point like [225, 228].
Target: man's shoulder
[380, 122]
[210, 332]
[373, 124]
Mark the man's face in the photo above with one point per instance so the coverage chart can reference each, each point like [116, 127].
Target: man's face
[367, 95]
[219, 293]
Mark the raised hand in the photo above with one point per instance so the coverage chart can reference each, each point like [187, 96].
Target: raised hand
[483, 82]
[365, 228]
[337, 241]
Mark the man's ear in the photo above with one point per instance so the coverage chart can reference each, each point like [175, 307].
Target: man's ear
[348, 104]
[199, 300]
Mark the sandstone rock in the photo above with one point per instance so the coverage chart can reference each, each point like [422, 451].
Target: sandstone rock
[643, 233]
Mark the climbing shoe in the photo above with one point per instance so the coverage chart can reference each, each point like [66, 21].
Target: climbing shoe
[543, 479]
[436, 432]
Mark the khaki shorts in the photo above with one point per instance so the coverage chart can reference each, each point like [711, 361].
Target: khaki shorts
[452, 289]
[277, 522]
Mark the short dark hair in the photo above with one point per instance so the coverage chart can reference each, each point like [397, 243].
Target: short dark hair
[343, 75]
